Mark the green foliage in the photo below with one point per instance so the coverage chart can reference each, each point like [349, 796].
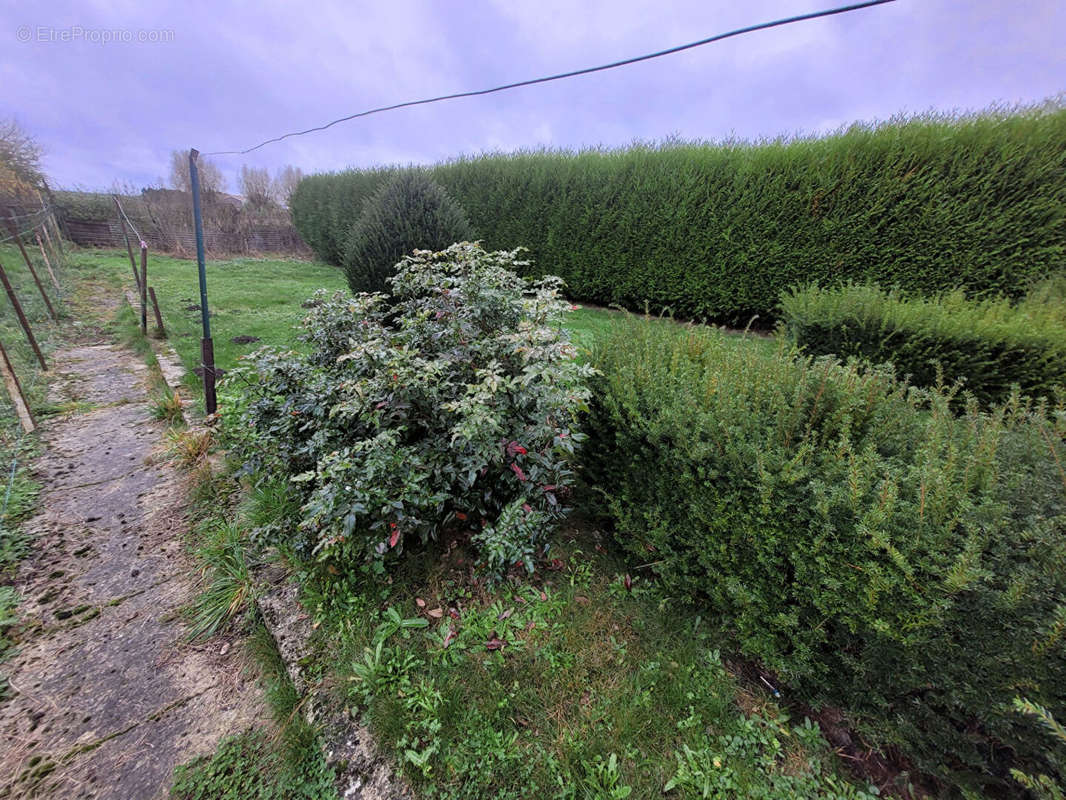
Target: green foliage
[226, 588]
[235, 771]
[409, 212]
[721, 230]
[578, 690]
[877, 552]
[324, 208]
[1042, 787]
[990, 346]
[452, 408]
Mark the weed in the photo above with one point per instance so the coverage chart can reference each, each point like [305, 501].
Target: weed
[169, 407]
[190, 447]
[227, 587]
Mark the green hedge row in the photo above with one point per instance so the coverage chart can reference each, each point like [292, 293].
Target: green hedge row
[719, 231]
[877, 552]
[989, 346]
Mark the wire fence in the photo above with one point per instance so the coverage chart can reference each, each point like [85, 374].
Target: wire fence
[34, 267]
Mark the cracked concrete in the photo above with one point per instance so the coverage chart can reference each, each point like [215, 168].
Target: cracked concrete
[106, 696]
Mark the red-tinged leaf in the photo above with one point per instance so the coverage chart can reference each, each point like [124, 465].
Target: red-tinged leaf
[520, 450]
[527, 508]
[581, 600]
[435, 613]
[518, 471]
[543, 597]
[628, 581]
[453, 613]
[449, 637]
[495, 644]
[459, 515]
[548, 487]
[556, 564]
[381, 405]
[420, 602]
[395, 537]
[505, 614]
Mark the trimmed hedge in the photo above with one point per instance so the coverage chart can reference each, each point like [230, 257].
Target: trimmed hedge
[989, 346]
[408, 212]
[874, 550]
[720, 231]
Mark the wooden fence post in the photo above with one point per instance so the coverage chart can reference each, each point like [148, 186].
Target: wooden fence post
[22, 317]
[47, 262]
[14, 388]
[158, 316]
[12, 226]
[126, 234]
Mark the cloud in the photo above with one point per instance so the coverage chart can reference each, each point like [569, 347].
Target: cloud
[235, 74]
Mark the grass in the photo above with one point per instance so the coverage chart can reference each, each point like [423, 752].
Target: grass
[247, 297]
[260, 298]
[574, 684]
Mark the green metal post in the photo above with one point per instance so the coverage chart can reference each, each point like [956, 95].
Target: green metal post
[207, 348]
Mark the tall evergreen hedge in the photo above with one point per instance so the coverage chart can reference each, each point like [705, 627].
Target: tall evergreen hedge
[719, 231]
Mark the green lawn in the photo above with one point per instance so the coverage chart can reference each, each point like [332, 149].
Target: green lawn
[261, 298]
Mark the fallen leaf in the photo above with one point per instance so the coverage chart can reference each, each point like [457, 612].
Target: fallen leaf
[436, 613]
[581, 600]
[543, 597]
[495, 643]
[530, 625]
[449, 637]
[505, 614]
[556, 564]
[628, 581]
[453, 613]
[420, 602]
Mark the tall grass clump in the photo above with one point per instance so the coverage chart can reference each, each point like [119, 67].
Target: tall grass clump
[928, 203]
[990, 346]
[875, 550]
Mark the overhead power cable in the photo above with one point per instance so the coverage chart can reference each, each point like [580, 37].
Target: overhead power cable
[574, 73]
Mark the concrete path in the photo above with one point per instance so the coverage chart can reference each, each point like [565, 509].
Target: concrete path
[105, 695]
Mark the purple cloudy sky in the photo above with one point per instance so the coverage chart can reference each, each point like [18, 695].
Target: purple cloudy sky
[233, 74]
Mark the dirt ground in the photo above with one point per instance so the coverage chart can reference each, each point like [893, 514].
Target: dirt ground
[106, 696]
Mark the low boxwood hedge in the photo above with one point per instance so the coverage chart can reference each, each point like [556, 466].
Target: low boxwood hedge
[989, 346]
[876, 550]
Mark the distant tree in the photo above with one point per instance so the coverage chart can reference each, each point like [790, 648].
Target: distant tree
[211, 178]
[256, 187]
[285, 182]
[20, 162]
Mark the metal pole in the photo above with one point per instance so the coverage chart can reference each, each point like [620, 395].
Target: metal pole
[207, 348]
[22, 317]
[144, 288]
[126, 234]
[12, 226]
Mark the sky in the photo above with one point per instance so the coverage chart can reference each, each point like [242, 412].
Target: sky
[110, 89]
